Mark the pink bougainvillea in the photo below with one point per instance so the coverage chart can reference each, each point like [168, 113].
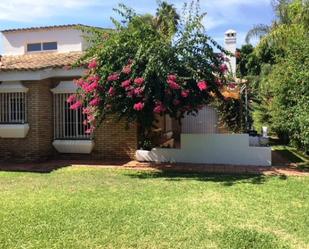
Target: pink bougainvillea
[92, 64]
[139, 81]
[138, 106]
[95, 101]
[185, 93]
[223, 68]
[78, 104]
[159, 108]
[202, 85]
[71, 98]
[126, 83]
[173, 85]
[111, 91]
[113, 77]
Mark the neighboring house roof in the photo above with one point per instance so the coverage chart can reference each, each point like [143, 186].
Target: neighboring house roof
[37, 61]
[48, 28]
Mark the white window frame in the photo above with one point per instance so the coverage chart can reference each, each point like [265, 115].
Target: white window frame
[61, 113]
[8, 92]
[41, 46]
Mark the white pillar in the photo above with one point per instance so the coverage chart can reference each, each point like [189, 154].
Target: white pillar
[230, 42]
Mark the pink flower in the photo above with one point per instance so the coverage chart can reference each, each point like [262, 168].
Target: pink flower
[71, 98]
[159, 108]
[111, 91]
[202, 85]
[93, 78]
[223, 68]
[185, 93]
[138, 106]
[127, 69]
[90, 130]
[139, 81]
[176, 102]
[91, 87]
[173, 85]
[90, 118]
[130, 93]
[92, 64]
[85, 122]
[172, 77]
[95, 102]
[126, 83]
[218, 82]
[113, 77]
[138, 91]
[86, 110]
[77, 105]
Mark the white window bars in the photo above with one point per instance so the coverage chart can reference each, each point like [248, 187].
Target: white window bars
[13, 103]
[68, 124]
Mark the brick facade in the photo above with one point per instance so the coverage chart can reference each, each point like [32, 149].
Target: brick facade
[112, 140]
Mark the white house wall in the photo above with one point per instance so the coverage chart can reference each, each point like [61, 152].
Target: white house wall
[232, 149]
[69, 40]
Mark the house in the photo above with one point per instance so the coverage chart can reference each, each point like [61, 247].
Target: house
[36, 122]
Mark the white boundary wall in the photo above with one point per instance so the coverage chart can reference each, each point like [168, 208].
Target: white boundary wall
[230, 149]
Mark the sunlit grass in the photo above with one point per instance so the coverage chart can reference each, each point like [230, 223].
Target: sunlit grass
[79, 207]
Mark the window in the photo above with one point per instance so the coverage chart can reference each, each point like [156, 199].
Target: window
[68, 124]
[34, 47]
[50, 45]
[13, 108]
[44, 46]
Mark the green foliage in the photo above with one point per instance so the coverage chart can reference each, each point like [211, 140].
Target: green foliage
[283, 82]
[151, 50]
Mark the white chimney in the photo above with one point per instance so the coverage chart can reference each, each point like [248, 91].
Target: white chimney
[230, 41]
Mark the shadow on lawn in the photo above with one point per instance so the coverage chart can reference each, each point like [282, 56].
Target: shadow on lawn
[225, 179]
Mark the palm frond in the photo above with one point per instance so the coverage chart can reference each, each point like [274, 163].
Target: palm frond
[257, 31]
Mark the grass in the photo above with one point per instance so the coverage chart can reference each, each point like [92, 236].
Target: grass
[293, 156]
[80, 207]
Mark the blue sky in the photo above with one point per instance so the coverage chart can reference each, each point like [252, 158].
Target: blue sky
[240, 15]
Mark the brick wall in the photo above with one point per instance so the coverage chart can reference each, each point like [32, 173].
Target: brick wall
[112, 140]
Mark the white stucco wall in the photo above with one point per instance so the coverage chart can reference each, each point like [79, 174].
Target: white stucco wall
[230, 149]
[69, 39]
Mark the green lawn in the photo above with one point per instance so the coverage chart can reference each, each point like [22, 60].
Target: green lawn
[105, 208]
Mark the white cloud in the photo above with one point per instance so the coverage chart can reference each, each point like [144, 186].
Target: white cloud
[29, 10]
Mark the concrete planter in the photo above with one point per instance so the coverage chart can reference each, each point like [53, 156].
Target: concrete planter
[14, 130]
[74, 146]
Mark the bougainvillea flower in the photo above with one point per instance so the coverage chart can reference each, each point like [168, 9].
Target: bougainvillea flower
[223, 68]
[113, 77]
[173, 85]
[138, 106]
[185, 93]
[126, 83]
[172, 77]
[111, 91]
[139, 81]
[159, 108]
[92, 64]
[71, 98]
[202, 85]
[138, 91]
[77, 105]
[95, 101]
[127, 69]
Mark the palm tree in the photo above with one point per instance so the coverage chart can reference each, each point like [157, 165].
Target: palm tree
[167, 18]
[282, 17]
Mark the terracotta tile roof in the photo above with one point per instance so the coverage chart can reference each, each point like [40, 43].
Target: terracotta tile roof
[65, 26]
[44, 27]
[36, 61]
